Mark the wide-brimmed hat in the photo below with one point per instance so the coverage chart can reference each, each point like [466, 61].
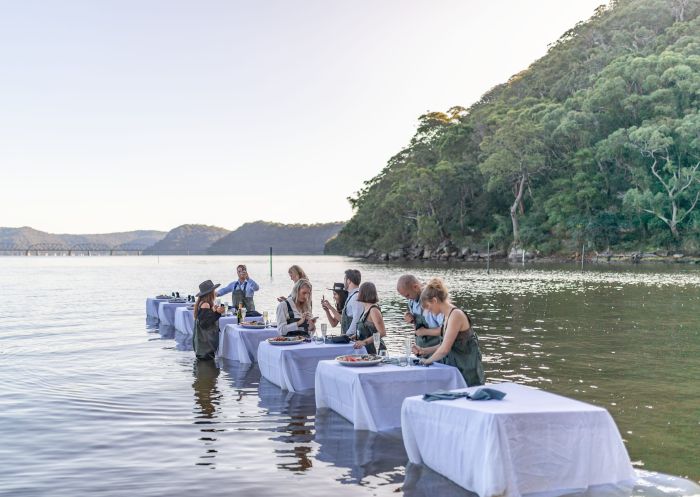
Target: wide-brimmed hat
[207, 287]
[338, 287]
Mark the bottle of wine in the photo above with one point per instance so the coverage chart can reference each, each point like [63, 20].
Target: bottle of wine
[239, 313]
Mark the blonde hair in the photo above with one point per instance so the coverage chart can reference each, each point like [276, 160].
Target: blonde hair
[295, 293]
[435, 289]
[300, 272]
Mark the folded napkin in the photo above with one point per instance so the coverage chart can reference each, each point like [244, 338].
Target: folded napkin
[479, 394]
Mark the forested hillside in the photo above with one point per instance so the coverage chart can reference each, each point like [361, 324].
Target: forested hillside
[595, 144]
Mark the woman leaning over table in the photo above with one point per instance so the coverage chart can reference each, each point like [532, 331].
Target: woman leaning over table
[460, 345]
[294, 313]
[296, 273]
[371, 321]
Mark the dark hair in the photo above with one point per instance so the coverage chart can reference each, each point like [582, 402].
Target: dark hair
[368, 293]
[241, 266]
[342, 297]
[353, 275]
[208, 298]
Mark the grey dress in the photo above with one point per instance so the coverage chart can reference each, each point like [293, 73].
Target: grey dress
[465, 354]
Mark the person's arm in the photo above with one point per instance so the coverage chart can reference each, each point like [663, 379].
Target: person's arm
[428, 332]
[375, 315]
[208, 317]
[332, 320]
[453, 327]
[224, 290]
[252, 286]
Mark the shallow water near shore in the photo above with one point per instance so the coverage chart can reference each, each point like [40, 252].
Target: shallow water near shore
[93, 400]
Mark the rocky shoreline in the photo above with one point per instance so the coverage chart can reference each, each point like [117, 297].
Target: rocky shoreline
[448, 252]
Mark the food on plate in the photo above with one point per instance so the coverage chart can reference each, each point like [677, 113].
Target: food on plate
[358, 358]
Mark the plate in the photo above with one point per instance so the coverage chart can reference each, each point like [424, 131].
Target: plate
[253, 326]
[286, 341]
[364, 360]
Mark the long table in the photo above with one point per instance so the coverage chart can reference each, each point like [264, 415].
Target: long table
[531, 441]
[371, 397]
[152, 307]
[184, 321]
[293, 367]
[166, 312]
[241, 344]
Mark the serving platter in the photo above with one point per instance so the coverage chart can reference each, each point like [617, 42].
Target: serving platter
[285, 340]
[364, 360]
[253, 326]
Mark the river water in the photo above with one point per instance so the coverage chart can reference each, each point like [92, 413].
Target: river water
[92, 400]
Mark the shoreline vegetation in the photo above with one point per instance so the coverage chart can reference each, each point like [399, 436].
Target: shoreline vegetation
[595, 145]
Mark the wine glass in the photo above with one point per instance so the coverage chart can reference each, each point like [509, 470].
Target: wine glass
[266, 318]
[377, 339]
[324, 329]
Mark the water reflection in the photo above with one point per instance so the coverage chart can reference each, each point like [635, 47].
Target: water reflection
[207, 399]
[364, 453]
[294, 425]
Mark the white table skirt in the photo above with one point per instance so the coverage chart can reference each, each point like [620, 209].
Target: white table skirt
[531, 441]
[184, 320]
[293, 367]
[152, 307]
[241, 344]
[371, 397]
[166, 312]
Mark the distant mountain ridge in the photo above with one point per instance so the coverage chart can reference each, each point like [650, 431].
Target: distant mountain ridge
[288, 239]
[26, 237]
[188, 239]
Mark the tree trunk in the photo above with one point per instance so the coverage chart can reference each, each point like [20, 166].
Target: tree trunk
[514, 210]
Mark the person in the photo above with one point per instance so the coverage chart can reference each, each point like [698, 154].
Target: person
[296, 273]
[371, 321]
[241, 290]
[427, 325]
[352, 310]
[340, 295]
[294, 316]
[206, 322]
[460, 345]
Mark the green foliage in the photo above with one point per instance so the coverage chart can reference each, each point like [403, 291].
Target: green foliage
[597, 143]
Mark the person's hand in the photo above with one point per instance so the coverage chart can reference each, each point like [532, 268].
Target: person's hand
[425, 362]
[417, 350]
[281, 299]
[221, 309]
[205, 305]
[358, 344]
[326, 305]
[408, 318]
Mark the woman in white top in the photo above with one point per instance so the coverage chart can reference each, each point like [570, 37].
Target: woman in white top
[294, 313]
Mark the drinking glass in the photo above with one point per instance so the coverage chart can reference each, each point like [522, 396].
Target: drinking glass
[265, 318]
[324, 329]
[243, 311]
[377, 339]
[407, 349]
[318, 338]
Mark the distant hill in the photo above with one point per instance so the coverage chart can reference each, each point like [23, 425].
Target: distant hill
[188, 239]
[25, 237]
[258, 237]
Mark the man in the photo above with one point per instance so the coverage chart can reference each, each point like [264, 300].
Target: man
[352, 310]
[426, 324]
[241, 290]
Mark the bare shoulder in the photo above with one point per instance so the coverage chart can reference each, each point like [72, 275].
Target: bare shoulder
[459, 320]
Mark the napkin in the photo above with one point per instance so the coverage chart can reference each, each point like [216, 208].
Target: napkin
[479, 394]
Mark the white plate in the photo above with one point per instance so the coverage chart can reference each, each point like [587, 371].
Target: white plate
[250, 326]
[359, 364]
[285, 342]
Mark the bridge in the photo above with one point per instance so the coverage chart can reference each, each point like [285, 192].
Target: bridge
[77, 249]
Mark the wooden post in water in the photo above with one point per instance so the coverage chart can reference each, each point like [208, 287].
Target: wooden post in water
[523, 256]
[270, 262]
[488, 257]
[583, 253]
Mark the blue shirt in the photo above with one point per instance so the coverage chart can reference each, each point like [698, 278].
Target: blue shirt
[432, 320]
[249, 285]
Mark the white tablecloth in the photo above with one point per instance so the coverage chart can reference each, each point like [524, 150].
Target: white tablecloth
[371, 397]
[184, 320]
[152, 307]
[293, 367]
[166, 312]
[241, 344]
[531, 441]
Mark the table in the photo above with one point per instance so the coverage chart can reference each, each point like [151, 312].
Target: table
[184, 320]
[241, 344]
[152, 307]
[293, 367]
[371, 397]
[166, 312]
[531, 441]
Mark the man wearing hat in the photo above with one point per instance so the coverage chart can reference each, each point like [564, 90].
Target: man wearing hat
[206, 322]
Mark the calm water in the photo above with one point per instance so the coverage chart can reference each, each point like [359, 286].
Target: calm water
[93, 400]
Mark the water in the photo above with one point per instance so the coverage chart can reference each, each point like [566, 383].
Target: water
[94, 401]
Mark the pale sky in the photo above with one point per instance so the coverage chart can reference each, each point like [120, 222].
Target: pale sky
[118, 115]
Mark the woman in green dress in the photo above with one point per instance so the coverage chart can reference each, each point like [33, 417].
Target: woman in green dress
[460, 345]
[206, 322]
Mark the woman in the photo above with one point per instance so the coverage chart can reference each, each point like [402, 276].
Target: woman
[340, 295]
[296, 273]
[206, 322]
[460, 345]
[294, 313]
[371, 321]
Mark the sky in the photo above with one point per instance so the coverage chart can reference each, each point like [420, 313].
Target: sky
[118, 115]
